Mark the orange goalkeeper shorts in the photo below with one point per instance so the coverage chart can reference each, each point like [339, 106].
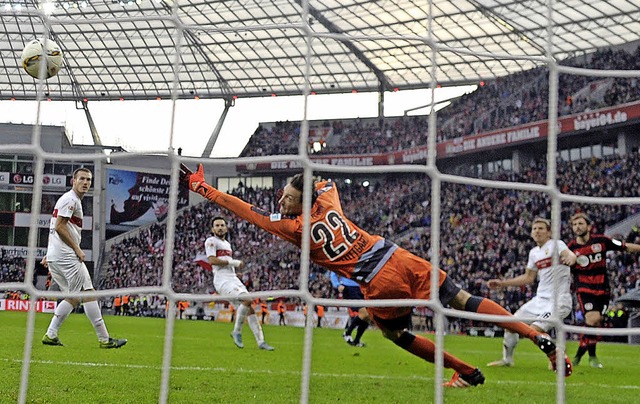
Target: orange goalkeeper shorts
[404, 276]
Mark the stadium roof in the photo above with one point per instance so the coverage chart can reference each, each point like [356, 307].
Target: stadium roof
[127, 48]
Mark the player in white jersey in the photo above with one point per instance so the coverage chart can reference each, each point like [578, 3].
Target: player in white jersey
[226, 282]
[65, 260]
[540, 264]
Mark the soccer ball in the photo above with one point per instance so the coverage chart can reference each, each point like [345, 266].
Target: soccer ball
[34, 53]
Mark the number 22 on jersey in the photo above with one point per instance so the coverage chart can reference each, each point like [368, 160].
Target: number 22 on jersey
[335, 235]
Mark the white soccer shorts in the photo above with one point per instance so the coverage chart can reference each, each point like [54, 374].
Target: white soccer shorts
[542, 308]
[229, 284]
[71, 276]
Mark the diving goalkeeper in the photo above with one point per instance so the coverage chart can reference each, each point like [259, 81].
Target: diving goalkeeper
[384, 270]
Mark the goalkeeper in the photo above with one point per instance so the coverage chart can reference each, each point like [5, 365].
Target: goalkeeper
[383, 270]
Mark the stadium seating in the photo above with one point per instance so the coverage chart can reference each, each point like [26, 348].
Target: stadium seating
[505, 102]
[484, 232]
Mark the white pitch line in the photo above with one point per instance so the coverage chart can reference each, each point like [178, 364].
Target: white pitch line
[290, 373]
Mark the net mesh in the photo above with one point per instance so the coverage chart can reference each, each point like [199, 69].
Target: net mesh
[437, 178]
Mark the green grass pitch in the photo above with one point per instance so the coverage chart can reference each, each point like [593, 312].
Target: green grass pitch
[208, 368]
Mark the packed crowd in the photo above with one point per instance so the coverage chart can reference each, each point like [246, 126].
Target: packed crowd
[505, 102]
[270, 263]
[485, 233]
[12, 268]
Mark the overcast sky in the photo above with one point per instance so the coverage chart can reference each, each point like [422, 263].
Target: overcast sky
[146, 125]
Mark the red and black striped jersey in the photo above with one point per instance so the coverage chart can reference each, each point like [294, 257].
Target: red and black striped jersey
[590, 271]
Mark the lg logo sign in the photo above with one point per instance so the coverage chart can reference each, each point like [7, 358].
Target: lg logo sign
[50, 180]
[22, 179]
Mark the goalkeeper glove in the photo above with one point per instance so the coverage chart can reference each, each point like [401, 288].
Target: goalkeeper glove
[195, 181]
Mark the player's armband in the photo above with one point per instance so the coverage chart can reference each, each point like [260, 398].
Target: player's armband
[235, 263]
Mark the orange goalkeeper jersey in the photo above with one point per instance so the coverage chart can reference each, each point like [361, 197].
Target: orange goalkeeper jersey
[336, 243]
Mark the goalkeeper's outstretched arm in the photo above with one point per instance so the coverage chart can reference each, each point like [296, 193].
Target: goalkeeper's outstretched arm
[286, 228]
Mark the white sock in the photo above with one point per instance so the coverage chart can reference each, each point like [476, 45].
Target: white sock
[240, 317]
[59, 315]
[509, 346]
[254, 324]
[92, 310]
